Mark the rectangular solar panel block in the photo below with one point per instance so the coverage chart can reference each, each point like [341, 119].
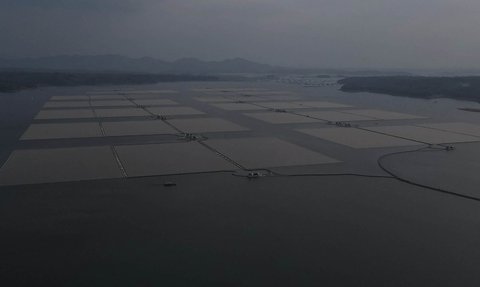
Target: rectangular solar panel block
[206, 125]
[253, 153]
[238, 98]
[281, 118]
[62, 130]
[322, 105]
[65, 114]
[283, 105]
[424, 135]
[95, 98]
[112, 103]
[214, 99]
[130, 128]
[67, 104]
[147, 96]
[383, 115]
[267, 93]
[357, 138]
[461, 128]
[237, 107]
[114, 92]
[174, 111]
[203, 90]
[335, 116]
[59, 165]
[226, 89]
[121, 112]
[155, 102]
[70, 98]
[159, 92]
[170, 158]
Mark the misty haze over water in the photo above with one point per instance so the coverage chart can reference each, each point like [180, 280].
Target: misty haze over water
[371, 34]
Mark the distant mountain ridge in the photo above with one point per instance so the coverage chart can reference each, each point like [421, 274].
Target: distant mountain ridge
[116, 63]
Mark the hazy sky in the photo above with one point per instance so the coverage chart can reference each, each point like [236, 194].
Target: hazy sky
[317, 33]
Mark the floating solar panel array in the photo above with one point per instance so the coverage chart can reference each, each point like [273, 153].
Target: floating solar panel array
[202, 140]
[130, 113]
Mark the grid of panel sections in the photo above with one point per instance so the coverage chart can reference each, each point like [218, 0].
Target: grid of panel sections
[218, 144]
[107, 114]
